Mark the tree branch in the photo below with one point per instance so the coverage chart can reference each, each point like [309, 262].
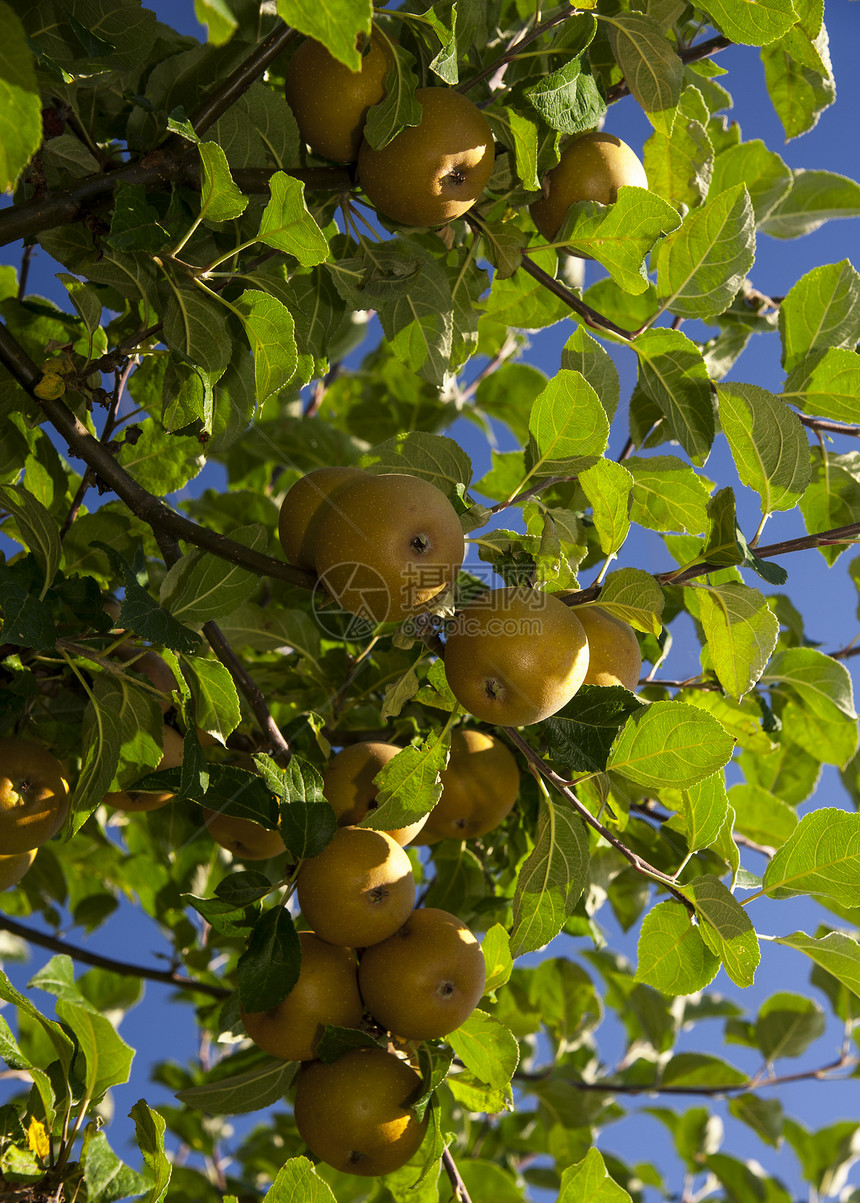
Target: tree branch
[825, 538]
[126, 968]
[150, 509]
[459, 1186]
[236, 84]
[639, 863]
[590, 316]
[843, 428]
[249, 687]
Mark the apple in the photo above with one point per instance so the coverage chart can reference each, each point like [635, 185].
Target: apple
[592, 168]
[435, 171]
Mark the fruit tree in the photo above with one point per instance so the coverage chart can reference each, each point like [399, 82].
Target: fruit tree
[427, 604]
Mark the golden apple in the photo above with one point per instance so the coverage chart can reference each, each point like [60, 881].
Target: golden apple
[592, 168]
[303, 508]
[349, 789]
[34, 796]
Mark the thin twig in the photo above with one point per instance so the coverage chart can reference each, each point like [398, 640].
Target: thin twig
[167, 976]
[843, 428]
[459, 1186]
[561, 786]
[590, 316]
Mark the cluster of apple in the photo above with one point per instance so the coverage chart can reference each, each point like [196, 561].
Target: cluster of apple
[435, 171]
[429, 173]
[421, 971]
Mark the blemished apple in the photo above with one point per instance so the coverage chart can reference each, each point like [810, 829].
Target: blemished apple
[435, 171]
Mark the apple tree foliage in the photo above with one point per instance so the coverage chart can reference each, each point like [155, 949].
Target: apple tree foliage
[215, 346]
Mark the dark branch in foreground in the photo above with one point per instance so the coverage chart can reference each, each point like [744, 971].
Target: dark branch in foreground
[166, 976]
[590, 316]
[457, 1183]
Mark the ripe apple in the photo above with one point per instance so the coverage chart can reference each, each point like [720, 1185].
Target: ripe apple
[137, 799]
[303, 508]
[432, 172]
[14, 866]
[514, 656]
[34, 796]
[358, 890]
[329, 101]
[243, 838]
[592, 168]
[388, 545]
[479, 787]
[614, 656]
[326, 992]
[349, 789]
[356, 1113]
[426, 979]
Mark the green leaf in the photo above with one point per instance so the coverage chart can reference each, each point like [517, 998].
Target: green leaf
[764, 1116]
[701, 1069]
[589, 1182]
[134, 224]
[27, 622]
[584, 354]
[498, 961]
[619, 235]
[567, 424]
[752, 22]
[568, 99]
[608, 487]
[220, 198]
[787, 1024]
[701, 266]
[633, 595]
[822, 684]
[34, 527]
[815, 197]
[409, 785]
[826, 383]
[670, 744]
[20, 106]
[668, 495]
[551, 879]
[269, 966]
[832, 498]
[674, 379]
[220, 27]
[195, 325]
[821, 857]
[202, 586]
[798, 73]
[399, 107]
[767, 177]
[418, 319]
[286, 224]
[672, 956]
[433, 457]
[724, 544]
[767, 442]
[702, 811]
[149, 1128]
[487, 1048]
[336, 24]
[108, 1178]
[108, 1058]
[238, 1093]
[297, 1180]
[679, 163]
[821, 310]
[651, 68]
[581, 734]
[725, 927]
[270, 330]
[836, 952]
[741, 632]
[216, 700]
[519, 133]
[102, 742]
[762, 816]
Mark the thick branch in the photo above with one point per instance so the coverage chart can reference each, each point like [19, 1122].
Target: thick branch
[126, 968]
[235, 85]
[150, 509]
